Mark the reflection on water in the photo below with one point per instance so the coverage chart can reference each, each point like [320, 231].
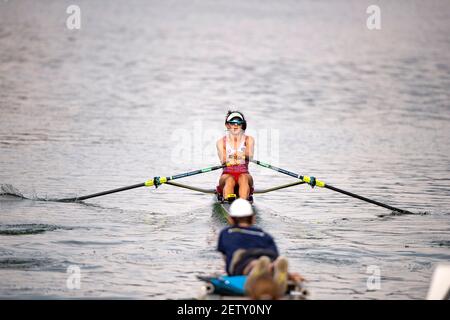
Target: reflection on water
[142, 89]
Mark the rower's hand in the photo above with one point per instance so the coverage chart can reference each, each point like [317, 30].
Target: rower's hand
[233, 162]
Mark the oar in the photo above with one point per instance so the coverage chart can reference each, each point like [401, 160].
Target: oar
[314, 182]
[156, 181]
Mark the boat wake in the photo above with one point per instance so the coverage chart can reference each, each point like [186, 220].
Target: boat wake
[25, 263]
[30, 228]
[8, 190]
[396, 213]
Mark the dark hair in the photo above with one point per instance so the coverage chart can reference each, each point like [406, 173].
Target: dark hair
[244, 125]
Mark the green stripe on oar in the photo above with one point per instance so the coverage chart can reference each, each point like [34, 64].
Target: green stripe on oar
[156, 181]
[314, 182]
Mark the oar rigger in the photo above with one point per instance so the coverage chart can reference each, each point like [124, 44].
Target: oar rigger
[156, 181]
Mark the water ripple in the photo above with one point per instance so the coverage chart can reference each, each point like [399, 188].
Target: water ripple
[27, 229]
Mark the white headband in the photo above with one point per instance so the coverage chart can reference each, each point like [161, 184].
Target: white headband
[235, 115]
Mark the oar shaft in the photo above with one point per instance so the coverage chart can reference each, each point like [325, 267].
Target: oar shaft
[324, 185]
[354, 195]
[192, 173]
[148, 183]
[98, 194]
[278, 187]
[266, 165]
[176, 184]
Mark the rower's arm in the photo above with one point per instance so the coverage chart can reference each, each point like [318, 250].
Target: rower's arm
[249, 152]
[219, 146]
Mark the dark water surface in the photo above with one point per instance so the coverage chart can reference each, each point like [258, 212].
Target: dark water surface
[142, 89]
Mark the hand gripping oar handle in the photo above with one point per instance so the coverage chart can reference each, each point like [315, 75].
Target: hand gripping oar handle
[156, 181]
[314, 182]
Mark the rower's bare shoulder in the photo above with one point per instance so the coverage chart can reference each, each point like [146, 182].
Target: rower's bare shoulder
[219, 142]
[251, 139]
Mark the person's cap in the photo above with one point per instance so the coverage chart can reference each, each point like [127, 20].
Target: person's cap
[234, 115]
[241, 208]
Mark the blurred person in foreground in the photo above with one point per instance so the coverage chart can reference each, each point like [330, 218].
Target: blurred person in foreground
[248, 250]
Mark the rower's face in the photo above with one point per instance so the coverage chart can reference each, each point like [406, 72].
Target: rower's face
[234, 128]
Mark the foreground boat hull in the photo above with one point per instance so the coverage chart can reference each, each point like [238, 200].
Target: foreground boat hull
[232, 288]
[222, 210]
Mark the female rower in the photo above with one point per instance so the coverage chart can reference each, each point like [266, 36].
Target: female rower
[235, 148]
